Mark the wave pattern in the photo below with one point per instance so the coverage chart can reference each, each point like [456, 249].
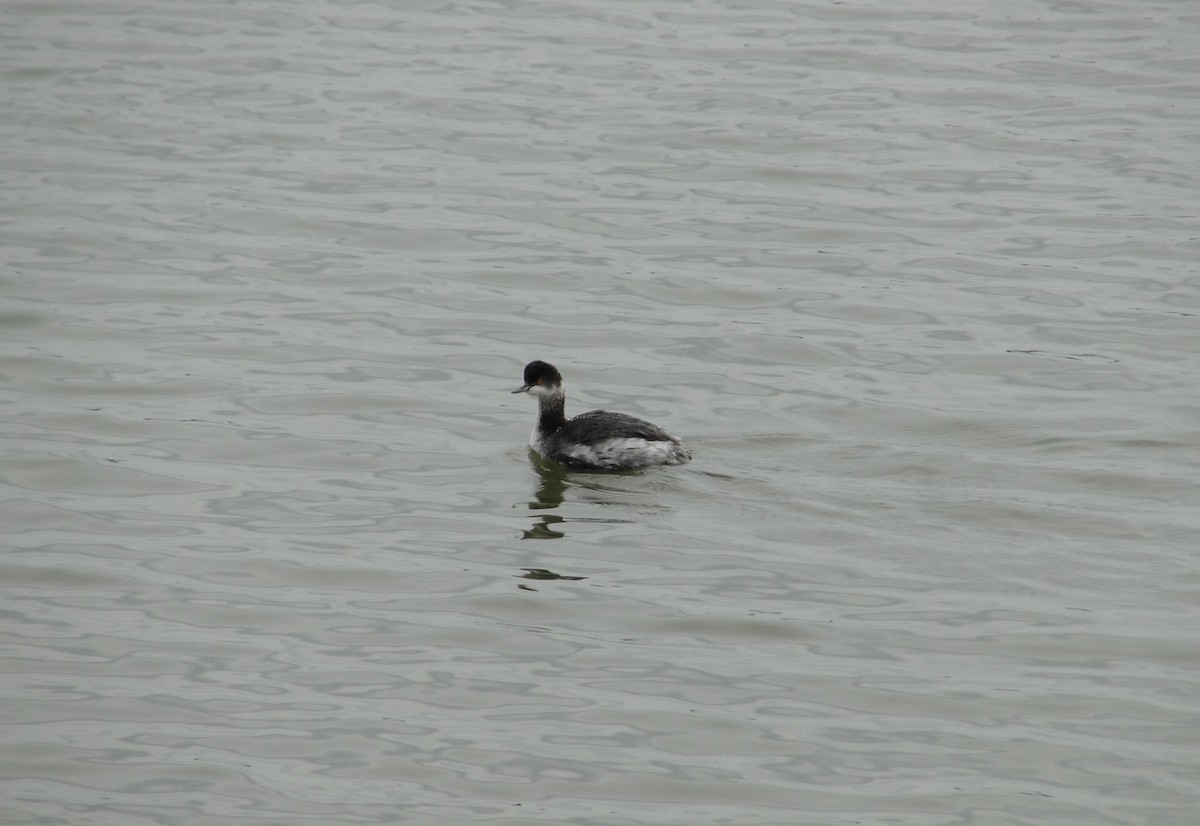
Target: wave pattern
[918, 285]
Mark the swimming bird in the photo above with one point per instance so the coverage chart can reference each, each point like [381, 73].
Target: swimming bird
[598, 440]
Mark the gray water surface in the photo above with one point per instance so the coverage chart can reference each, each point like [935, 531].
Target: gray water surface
[917, 281]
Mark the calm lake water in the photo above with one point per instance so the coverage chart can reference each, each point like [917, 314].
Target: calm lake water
[917, 281]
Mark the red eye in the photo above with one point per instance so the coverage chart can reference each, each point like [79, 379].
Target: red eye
[539, 381]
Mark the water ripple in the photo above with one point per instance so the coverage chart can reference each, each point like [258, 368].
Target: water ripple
[917, 285]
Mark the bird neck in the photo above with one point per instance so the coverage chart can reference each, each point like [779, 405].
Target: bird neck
[551, 412]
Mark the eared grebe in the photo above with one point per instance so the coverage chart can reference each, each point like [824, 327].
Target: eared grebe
[598, 440]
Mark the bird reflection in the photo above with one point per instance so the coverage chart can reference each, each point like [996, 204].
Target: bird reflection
[551, 490]
[552, 487]
[542, 530]
[554, 480]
